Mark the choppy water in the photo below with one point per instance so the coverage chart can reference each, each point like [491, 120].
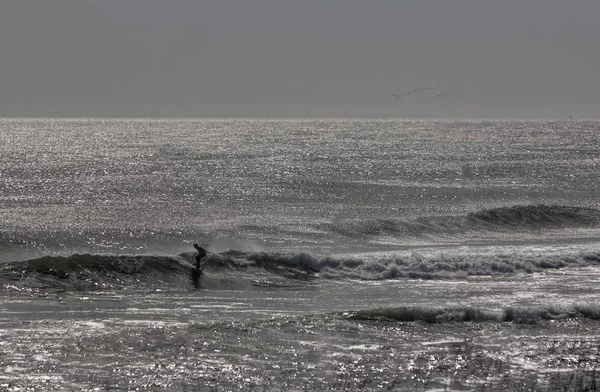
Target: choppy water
[345, 254]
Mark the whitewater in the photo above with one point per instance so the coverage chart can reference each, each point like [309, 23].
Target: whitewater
[345, 254]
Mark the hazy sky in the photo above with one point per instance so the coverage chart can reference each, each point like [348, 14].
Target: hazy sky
[509, 58]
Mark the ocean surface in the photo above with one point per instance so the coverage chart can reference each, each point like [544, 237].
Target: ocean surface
[350, 254]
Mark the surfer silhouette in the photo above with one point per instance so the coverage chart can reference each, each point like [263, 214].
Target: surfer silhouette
[200, 255]
[196, 272]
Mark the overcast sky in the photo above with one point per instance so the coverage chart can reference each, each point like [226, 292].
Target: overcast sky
[509, 58]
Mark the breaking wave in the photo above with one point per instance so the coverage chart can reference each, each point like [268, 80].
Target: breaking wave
[394, 266]
[436, 315]
[89, 271]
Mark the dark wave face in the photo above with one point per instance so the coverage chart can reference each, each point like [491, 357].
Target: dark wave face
[437, 315]
[499, 220]
[538, 216]
[88, 271]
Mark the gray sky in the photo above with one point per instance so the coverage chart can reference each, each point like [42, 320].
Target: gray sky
[509, 58]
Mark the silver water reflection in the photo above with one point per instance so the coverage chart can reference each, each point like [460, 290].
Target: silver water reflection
[296, 338]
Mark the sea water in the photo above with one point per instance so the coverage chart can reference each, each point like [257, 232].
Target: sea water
[350, 254]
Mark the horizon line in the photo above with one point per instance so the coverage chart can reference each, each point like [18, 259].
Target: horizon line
[363, 117]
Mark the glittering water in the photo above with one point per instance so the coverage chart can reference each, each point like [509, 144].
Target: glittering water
[346, 254]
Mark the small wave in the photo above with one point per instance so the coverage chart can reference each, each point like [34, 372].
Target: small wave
[437, 315]
[514, 218]
[536, 215]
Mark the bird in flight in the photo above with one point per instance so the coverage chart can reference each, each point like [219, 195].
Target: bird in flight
[415, 90]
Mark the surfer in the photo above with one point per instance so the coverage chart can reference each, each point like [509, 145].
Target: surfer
[197, 271]
[200, 255]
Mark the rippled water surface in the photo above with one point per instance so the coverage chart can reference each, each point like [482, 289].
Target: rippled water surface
[304, 337]
[344, 255]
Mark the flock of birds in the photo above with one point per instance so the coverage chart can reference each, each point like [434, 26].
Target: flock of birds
[398, 96]
[413, 91]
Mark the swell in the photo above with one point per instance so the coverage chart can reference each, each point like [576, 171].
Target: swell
[90, 271]
[504, 219]
[437, 315]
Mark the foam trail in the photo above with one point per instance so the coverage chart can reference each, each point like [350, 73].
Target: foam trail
[396, 266]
